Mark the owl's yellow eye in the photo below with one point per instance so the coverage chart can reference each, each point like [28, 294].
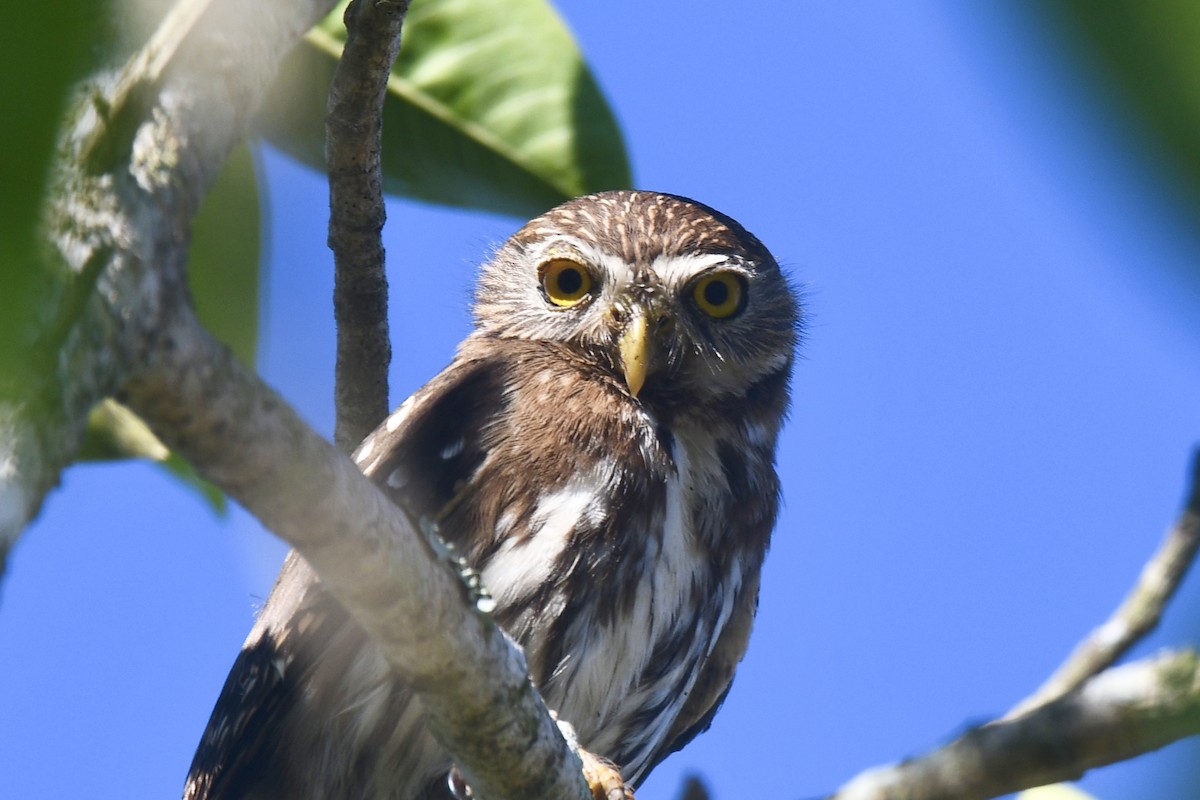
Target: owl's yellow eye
[720, 294]
[565, 282]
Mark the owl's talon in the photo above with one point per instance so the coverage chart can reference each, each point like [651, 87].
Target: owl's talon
[604, 779]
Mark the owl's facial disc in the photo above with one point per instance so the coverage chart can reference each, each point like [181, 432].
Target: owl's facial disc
[673, 301]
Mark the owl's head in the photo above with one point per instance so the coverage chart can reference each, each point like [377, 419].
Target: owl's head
[675, 300]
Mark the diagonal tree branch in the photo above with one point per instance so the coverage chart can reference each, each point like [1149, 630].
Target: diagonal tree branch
[471, 678]
[1138, 614]
[1121, 713]
[1086, 715]
[353, 151]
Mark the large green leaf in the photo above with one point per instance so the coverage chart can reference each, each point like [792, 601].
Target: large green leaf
[42, 62]
[490, 106]
[225, 256]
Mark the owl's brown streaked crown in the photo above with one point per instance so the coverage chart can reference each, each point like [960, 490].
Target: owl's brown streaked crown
[639, 226]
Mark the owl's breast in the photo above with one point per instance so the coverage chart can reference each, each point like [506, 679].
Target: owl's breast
[602, 568]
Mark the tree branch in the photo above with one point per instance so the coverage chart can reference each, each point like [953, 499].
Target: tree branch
[354, 143]
[470, 677]
[1138, 614]
[1121, 713]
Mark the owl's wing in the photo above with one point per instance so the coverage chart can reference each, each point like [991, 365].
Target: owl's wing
[716, 677]
[237, 753]
[428, 449]
[425, 451]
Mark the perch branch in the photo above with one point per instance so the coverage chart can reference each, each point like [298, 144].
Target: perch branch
[353, 129]
[471, 679]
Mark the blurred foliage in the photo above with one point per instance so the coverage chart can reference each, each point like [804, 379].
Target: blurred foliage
[116, 432]
[1145, 57]
[42, 63]
[490, 105]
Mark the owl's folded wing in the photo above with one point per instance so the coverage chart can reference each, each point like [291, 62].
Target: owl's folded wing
[422, 454]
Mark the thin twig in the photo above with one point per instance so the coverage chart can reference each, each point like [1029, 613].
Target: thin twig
[354, 131]
[1138, 614]
[1121, 713]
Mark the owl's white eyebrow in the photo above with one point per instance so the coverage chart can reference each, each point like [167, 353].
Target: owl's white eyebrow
[678, 269]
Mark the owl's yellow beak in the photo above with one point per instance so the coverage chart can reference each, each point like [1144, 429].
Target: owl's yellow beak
[635, 352]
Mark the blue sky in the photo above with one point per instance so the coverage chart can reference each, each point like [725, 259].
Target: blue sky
[992, 416]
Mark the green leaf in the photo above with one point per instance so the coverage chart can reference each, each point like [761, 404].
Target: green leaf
[490, 106]
[115, 432]
[1057, 791]
[225, 256]
[42, 63]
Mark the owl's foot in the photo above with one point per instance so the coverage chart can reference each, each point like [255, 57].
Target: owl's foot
[604, 779]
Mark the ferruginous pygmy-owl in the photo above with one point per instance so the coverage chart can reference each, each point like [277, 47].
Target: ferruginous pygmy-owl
[602, 451]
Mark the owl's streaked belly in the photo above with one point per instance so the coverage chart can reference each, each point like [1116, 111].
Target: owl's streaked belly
[636, 663]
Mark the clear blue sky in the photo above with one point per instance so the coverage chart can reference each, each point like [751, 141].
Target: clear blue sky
[999, 390]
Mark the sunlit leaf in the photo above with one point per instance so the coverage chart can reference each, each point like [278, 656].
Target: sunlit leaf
[1057, 791]
[115, 432]
[490, 106]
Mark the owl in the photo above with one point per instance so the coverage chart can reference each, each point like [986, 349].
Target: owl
[601, 452]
